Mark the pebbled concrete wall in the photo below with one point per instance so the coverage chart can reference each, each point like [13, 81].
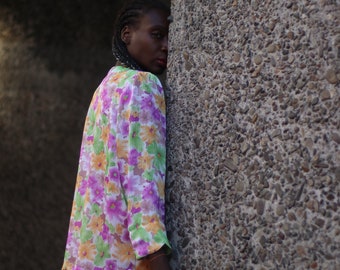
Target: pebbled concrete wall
[254, 134]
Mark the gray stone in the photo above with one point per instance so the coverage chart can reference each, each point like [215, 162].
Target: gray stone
[331, 76]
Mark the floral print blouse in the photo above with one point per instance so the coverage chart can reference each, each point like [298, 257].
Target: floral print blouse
[118, 209]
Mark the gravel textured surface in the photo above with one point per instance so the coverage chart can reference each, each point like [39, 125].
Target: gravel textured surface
[254, 133]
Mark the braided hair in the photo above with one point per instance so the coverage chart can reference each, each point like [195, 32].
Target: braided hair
[130, 15]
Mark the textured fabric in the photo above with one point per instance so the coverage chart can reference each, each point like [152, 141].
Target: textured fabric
[118, 208]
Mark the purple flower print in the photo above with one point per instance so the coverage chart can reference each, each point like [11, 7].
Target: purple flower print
[133, 157]
[92, 181]
[135, 210]
[110, 265]
[114, 174]
[157, 114]
[105, 232]
[114, 208]
[141, 247]
[97, 193]
[90, 138]
[161, 209]
[119, 90]
[126, 97]
[112, 142]
[69, 238]
[78, 224]
[132, 183]
[144, 116]
[97, 190]
[126, 236]
[106, 101]
[82, 187]
[124, 128]
[147, 103]
[150, 194]
[159, 89]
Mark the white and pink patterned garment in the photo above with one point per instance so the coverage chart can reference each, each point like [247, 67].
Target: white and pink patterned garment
[118, 209]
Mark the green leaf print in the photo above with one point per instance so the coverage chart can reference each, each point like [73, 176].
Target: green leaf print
[159, 155]
[98, 144]
[102, 252]
[79, 200]
[160, 237]
[104, 120]
[137, 231]
[134, 138]
[96, 210]
[92, 120]
[149, 175]
[67, 255]
[146, 86]
[111, 228]
[85, 235]
[111, 159]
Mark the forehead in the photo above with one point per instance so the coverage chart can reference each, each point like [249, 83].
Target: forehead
[154, 18]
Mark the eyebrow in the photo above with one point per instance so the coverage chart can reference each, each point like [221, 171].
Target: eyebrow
[157, 26]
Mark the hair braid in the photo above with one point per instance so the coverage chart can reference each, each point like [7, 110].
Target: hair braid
[130, 15]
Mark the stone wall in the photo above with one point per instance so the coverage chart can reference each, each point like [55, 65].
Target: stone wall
[253, 107]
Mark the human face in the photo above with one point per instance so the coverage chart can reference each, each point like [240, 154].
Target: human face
[147, 42]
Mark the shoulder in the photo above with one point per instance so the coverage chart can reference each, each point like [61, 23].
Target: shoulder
[143, 80]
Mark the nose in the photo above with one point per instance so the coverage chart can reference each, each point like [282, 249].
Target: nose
[165, 44]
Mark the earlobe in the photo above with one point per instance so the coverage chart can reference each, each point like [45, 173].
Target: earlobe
[126, 34]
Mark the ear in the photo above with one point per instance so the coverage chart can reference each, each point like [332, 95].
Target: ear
[125, 34]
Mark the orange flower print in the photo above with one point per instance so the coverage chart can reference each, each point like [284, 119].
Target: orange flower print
[87, 196]
[112, 188]
[142, 77]
[98, 110]
[122, 151]
[67, 265]
[105, 134]
[125, 252]
[148, 133]
[126, 114]
[96, 224]
[151, 224]
[144, 161]
[160, 103]
[87, 251]
[99, 161]
[160, 187]
[115, 78]
[119, 229]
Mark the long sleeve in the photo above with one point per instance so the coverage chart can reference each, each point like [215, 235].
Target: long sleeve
[143, 117]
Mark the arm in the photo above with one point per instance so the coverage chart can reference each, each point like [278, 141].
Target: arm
[144, 185]
[159, 261]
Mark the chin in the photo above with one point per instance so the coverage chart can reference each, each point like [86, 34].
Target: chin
[157, 71]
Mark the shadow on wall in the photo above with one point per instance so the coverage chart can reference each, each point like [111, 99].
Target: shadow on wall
[52, 57]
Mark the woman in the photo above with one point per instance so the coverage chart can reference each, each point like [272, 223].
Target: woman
[117, 219]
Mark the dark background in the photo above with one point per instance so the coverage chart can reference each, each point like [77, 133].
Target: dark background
[52, 57]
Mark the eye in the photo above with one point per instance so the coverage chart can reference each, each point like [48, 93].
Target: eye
[157, 35]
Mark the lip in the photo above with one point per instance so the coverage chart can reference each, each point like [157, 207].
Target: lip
[162, 62]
